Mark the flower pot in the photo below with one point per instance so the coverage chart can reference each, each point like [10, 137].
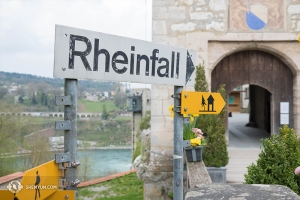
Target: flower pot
[193, 154]
[217, 174]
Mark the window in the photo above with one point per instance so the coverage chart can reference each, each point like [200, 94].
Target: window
[231, 100]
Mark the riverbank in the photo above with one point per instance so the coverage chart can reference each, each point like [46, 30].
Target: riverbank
[26, 152]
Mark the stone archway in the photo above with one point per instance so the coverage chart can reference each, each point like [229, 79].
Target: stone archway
[262, 69]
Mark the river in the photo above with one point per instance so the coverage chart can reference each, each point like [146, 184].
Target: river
[102, 162]
[95, 163]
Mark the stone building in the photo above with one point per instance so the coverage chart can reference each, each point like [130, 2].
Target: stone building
[241, 42]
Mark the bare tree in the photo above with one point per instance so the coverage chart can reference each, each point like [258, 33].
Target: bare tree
[38, 146]
[84, 168]
[11, 128]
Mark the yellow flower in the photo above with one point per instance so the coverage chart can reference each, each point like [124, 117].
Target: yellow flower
[171, 111]
[191, 119]
[195, 142]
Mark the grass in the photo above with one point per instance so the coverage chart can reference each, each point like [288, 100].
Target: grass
[127, 187]
[96, 107]
[123, 118]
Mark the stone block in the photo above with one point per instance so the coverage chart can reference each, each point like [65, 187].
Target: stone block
[162, 138]
[171, 12]
[156, 107]
[172, 41]
[159, 27]
[240, 191]
[181, 41]
[158, 190]
[188, 2]
[184, 27]
[217, 26]
[217, 5]
[294, 9]
[157, 123]
[200, 15]
[200, 2]
[158, 3]
[159, 92]
[169, 123]
[165, 106]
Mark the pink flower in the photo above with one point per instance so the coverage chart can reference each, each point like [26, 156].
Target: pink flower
[199, 136]
[197, 130]
[297, 170]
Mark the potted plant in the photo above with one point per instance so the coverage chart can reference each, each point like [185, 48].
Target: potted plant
[195, 139]
[215, 155]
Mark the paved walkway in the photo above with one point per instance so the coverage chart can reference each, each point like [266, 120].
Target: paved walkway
[244, 146]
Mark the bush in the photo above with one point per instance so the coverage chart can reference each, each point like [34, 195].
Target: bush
[144, 124]
[215, 152]
[277, 161]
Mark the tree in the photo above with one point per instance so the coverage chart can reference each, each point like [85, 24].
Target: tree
[21, 100]
[11, 128]
[33, 99]
[84, 167]
[38, 146]
[20, 91]
[200, 80]
[120, 99]
[215, 153]
[3, 92]
[105, 114]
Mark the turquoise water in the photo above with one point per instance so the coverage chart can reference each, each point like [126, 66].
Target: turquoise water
[95, 163]
[102, 162]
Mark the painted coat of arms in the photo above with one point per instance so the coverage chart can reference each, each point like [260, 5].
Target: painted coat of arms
[256, 15]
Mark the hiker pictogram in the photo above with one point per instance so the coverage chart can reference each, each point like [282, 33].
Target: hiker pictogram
[37, 182]
[210, 105]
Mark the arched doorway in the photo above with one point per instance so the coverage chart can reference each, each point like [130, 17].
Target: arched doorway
[258, 68]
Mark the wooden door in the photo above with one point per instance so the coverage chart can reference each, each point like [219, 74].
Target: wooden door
[257, 68]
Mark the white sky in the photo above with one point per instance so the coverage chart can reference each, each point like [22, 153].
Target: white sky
[27, 27]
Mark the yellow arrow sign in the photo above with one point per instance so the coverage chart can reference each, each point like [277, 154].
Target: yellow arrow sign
[39, 182]
[201, 103]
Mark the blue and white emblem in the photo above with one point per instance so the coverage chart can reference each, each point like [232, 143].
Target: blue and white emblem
[257, 16]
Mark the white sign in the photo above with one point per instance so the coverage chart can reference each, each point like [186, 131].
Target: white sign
[284, 118]
[284, 107]
[83, 54]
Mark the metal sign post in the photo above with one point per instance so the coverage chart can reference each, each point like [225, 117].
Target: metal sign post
[178, 146]
[67, 160]
[70, 139]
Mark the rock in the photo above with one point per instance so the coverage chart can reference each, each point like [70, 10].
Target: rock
[137, 162]
[240, 192]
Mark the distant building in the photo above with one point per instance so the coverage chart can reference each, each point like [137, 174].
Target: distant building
[58, 142]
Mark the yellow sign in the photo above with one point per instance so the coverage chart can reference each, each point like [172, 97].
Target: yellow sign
[201, 103]
[298, 37]
[63, 194]
[39, 182]
[6, 194]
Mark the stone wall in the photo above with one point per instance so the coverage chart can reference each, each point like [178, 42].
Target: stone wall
[214, 29]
